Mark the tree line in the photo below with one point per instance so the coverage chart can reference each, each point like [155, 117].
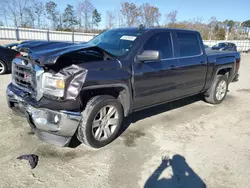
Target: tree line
[85, 17]
[45, 15]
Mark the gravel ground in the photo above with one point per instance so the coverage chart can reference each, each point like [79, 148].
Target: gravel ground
[207, 144]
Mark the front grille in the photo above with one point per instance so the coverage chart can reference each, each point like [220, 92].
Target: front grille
[23, 76]
[27, 76]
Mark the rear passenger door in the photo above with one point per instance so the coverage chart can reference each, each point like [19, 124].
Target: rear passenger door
[192, 62]
[155, 81]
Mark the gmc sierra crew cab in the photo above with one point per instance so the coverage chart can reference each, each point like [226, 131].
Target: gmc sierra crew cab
[87, 89]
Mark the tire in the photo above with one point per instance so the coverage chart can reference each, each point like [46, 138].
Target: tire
[95, 107]
[3, 68]
[211, 96]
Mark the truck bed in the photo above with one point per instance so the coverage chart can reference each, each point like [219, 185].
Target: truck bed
[215, 54]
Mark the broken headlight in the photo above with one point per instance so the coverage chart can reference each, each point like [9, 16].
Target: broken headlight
[65, 84]
[54, 84]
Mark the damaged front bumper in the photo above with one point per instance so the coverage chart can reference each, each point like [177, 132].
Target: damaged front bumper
[52, 126]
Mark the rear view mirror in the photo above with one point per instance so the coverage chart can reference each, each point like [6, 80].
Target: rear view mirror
[149, 55]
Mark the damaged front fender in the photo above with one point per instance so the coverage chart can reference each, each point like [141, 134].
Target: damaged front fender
[75, 78]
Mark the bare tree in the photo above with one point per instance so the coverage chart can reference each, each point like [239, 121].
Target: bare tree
[3, 13]
[110, 19]
[29, 18]
[15, 10]
[60, 23]
[38, 12]
[22, 4]
[53, 14]
[150, 15]
[212, 25]
[172, 17]
[120, 19]
[131, 13]
[213, 21]
[79, 14]
[84, 10]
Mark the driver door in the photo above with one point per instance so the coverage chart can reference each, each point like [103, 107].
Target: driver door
[156, 81]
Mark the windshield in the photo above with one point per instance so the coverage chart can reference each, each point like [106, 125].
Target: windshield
[117, 42]
[221, 45]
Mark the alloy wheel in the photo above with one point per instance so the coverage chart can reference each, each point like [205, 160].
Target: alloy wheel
[105, 123]
[2, 67]
[221, 90]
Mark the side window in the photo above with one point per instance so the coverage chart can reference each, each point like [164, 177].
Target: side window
[189, 44]
[161, 42]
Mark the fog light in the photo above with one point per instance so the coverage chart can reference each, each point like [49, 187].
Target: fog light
[56, 119]
[40, 121]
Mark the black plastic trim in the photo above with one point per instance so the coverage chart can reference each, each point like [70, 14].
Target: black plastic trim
[128, 98]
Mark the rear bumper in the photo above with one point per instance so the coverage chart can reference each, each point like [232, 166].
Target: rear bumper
[55, 127]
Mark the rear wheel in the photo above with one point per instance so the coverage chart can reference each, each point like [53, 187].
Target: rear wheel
[101, 121]
[3, 67]
[218, 90]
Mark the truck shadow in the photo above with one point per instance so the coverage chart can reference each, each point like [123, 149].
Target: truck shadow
[137, 116]
[182, 175]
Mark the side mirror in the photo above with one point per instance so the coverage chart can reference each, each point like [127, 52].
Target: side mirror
[149, 55]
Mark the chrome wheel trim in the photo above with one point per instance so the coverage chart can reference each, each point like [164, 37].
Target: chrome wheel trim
[221, 90]
[2, 67]
[105, 123]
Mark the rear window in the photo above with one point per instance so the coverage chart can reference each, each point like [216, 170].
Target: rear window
[221, 45]
[189, 44]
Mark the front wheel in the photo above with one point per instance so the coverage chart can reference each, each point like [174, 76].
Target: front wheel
[101, 121]
[218, 90]
[3, 68]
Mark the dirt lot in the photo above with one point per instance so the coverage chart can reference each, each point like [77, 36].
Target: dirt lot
[207, 144]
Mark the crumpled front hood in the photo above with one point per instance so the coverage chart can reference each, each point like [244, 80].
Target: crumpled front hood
[47, 53]
[32, 46]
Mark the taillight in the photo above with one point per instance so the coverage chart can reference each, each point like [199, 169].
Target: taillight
[18, 55]
[237, 64]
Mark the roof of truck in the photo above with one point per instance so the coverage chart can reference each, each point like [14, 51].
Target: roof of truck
[155, 29]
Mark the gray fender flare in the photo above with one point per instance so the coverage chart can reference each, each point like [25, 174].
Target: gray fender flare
[231, 73]
[127, 97]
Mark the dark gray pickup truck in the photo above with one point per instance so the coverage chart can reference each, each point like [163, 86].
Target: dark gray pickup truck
[86, 90]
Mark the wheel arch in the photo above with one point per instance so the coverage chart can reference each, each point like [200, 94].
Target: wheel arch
[120, 91]
[221, 70]
[226, 70]
[210, 95]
